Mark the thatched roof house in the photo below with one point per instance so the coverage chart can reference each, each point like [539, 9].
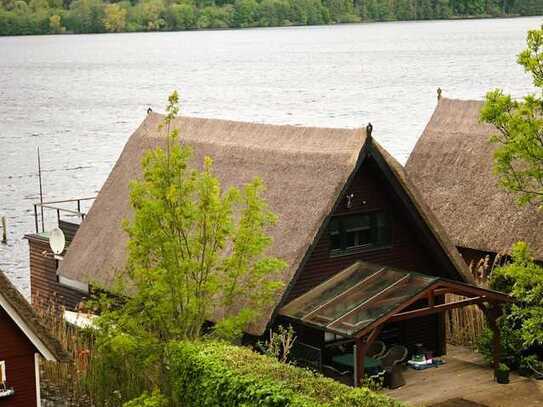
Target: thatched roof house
[308, 172]
[452, 166]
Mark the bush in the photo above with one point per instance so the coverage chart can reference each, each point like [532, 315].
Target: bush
[215, 373]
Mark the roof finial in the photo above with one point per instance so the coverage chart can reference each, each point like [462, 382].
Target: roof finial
[439, 91]
[149, 110]
[369, 129]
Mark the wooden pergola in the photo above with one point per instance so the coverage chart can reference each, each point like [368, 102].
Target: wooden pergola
[360, 300]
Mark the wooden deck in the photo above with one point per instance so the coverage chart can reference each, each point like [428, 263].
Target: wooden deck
[464, 381]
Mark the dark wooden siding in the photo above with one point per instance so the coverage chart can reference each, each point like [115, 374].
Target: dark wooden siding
[18, 353]
[407, 251]
[45, 289]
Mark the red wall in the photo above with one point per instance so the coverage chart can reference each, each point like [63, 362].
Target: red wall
[18, 353]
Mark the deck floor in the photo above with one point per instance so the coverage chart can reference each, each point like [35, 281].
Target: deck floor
[464, 381]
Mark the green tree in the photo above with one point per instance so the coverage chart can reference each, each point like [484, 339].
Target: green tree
[245, 13]
[196, 254]
[523, 278]
[114, 18]
[87, 16]
[181, 16]
[518, 159]
[55, 25]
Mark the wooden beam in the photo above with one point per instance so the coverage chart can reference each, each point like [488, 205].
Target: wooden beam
[379, 321]
[435, 309]
[466, 289]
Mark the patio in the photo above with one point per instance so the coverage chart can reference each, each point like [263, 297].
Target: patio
[465, 381]
[352, 310]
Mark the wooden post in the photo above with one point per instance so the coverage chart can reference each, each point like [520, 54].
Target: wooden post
[361, 346]
[492, 314]
[359, 355]
[4, 231]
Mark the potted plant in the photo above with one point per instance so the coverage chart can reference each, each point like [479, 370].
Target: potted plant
[502, 374]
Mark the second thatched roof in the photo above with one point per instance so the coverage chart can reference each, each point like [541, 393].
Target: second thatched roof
[452, 166]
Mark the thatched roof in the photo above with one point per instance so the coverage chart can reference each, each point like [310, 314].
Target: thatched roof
[20, 311]
[304, 170]
[452, 166]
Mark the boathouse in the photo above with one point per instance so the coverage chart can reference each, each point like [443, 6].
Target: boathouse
[23, 340]
[367, 259]
[452, 167]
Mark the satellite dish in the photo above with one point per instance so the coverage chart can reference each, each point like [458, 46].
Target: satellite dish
[57, 241]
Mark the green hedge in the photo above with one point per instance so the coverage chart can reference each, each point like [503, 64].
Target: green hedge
[218, 374]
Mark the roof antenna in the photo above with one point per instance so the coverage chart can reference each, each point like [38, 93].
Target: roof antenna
[41, 191]
[369, 129]
[439, 91]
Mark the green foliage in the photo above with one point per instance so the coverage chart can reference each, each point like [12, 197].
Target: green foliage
[86, 16]
[196, 254]
[154, 399]
[526, 278]
[279, 344]
[522, 324]
[114, 18]
[510, 339]
[55, 25]
[214, 373]
[518, 159]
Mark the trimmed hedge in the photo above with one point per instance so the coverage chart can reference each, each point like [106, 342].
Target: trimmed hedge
[211, 374]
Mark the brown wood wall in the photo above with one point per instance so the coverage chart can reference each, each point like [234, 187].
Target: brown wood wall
[407, 251]
[45, 289]
[18, 353]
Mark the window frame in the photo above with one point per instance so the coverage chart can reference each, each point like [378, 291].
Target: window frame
[3, 376]
[373, 227]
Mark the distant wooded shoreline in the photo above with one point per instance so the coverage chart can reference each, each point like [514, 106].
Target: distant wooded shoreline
[33, 17]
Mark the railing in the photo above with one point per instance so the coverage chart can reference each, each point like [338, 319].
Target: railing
[54, 206]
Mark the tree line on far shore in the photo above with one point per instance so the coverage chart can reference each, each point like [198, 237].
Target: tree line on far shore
[23, 17]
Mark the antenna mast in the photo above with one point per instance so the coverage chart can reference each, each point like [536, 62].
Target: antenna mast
[41, 191]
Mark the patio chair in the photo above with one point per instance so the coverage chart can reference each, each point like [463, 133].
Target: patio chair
[395, 355]
[376, 350]
[391, 364]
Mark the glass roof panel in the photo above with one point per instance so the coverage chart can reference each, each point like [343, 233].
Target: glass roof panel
[342, 283]
[354, 298]
[382, 304]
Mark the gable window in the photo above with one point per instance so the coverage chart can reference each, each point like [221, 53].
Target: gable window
[352, 233]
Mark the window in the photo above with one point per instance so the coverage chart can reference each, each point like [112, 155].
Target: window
[2, 372]
[355, 232]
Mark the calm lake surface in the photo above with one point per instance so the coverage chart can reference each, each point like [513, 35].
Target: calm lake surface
[79, 97]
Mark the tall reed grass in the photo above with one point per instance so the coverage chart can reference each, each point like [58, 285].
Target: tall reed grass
[64, 382]
[465, 325]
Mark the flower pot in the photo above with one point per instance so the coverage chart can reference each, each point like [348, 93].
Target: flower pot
[502, 376]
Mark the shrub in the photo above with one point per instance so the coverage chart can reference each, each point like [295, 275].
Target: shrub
[215, 373]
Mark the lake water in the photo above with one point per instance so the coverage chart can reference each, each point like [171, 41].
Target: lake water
[79, 97]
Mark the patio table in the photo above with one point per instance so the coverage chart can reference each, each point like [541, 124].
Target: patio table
[346, 359]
